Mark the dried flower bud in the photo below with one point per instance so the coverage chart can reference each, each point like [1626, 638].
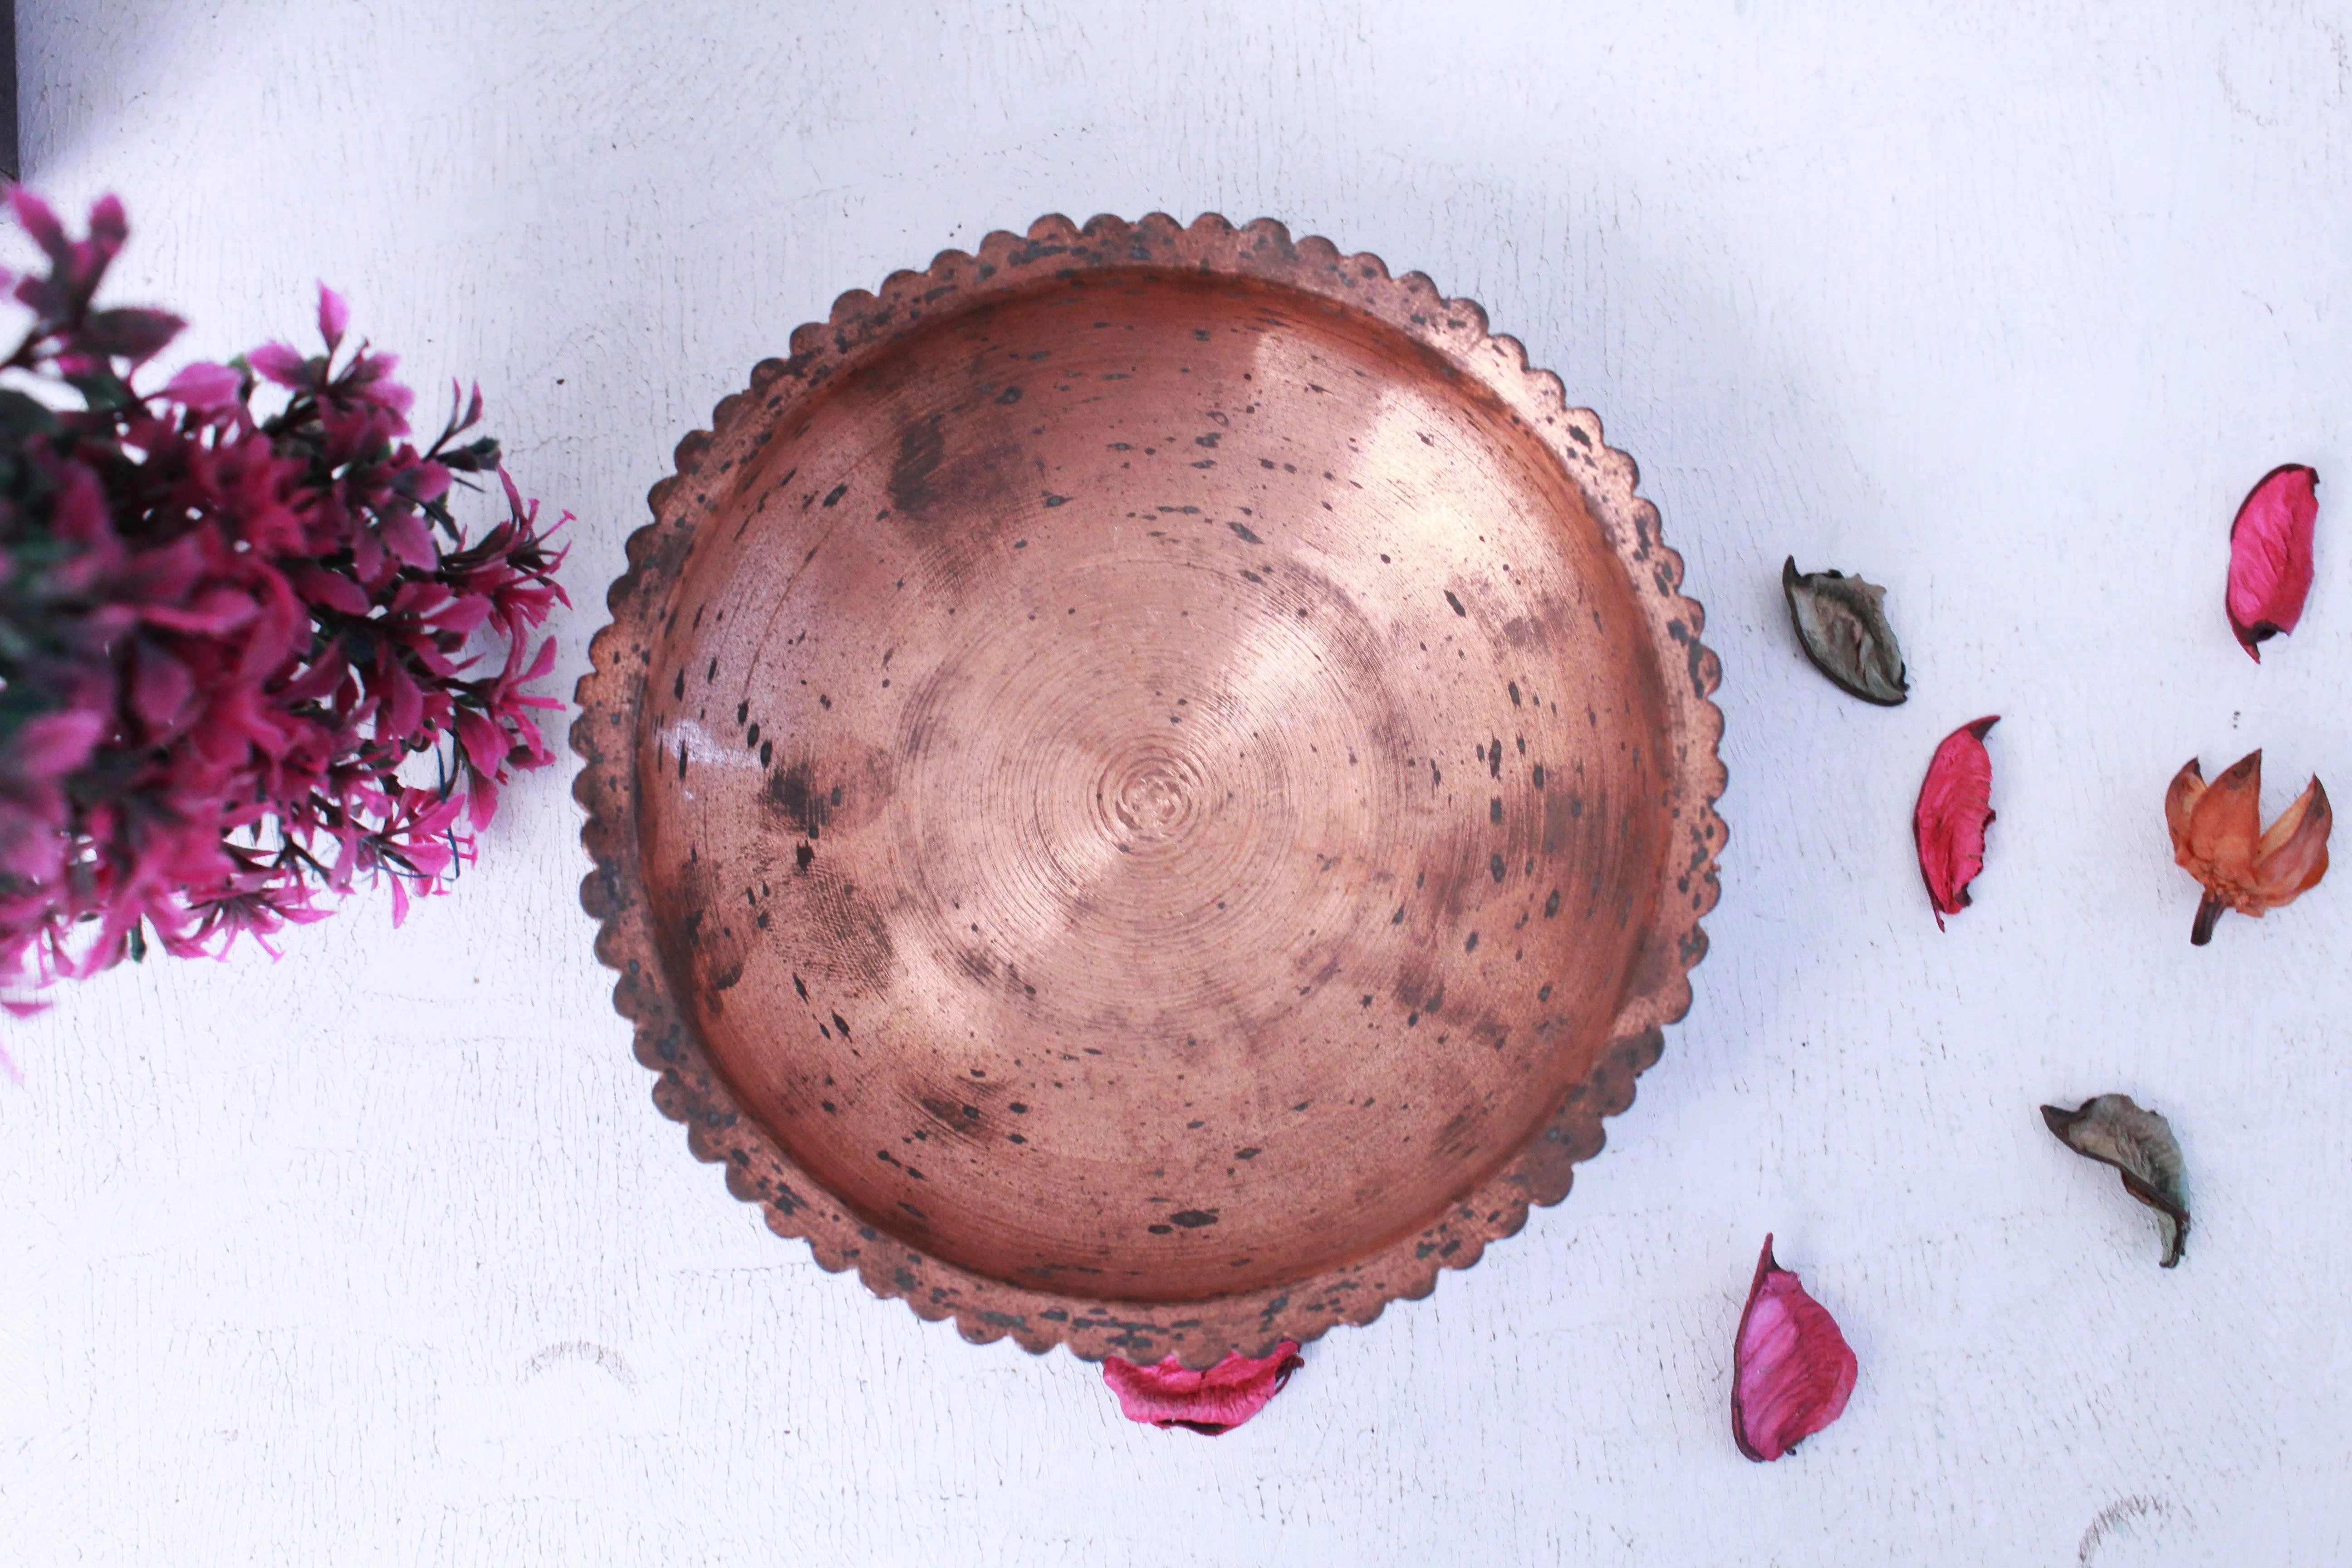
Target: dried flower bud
[1955, 807]
[2138, 1143]
[2269, 555]
[1841, 622]
[1791, 1370]
[2216, 838]
[1211, 1402]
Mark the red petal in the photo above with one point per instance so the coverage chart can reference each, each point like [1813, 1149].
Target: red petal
[1791, 1370]
[204, 386]
[331, 589]
[1214, 1401]
[403, 705]
[278, 362]
[333, 316]
[1949, 825]
[2269, 555]
[481, 797]
[2292, 854]
[125, 333]
[486, 744]
[160, 686]
[53, 744]
[410, 540]
[34, 216]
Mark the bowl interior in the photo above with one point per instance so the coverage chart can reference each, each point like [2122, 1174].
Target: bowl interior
[1149, 788]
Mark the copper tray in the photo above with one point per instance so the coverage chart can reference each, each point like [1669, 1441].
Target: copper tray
[1149, 787]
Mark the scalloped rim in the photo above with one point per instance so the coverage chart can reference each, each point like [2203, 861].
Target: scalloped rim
[687, 1090]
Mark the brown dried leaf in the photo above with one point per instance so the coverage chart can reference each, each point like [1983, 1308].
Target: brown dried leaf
[2138, 1143]
[1841, 623]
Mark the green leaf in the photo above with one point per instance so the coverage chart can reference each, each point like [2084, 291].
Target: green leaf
[22, 417]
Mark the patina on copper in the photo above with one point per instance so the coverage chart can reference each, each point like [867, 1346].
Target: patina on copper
[1149, 787]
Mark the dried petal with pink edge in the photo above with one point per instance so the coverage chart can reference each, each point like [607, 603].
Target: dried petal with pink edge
[1792, 1372]
[2269, 555]
[1211, 1402]
[1955, 807]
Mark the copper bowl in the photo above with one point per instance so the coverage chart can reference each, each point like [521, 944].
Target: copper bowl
[1149, 787]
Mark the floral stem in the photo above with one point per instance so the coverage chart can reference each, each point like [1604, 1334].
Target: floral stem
[2209, 913]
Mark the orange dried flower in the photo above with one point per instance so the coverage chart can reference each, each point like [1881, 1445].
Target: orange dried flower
[2217, 837]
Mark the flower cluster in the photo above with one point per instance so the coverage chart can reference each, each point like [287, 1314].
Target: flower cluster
[247, 655]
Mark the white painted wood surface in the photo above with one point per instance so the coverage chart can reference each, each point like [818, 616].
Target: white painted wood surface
[380, 1254]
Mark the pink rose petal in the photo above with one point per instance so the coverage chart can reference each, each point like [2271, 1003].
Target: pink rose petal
[1791, 1370]
[1949, 824]
[1211, 1402]
[2269, 555]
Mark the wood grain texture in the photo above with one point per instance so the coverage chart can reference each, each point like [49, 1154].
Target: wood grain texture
[379, 1254]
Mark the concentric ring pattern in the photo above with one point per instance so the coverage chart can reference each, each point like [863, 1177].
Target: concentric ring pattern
[1149, 787]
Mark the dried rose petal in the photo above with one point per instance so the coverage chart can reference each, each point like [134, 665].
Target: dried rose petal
[1949, 824]
[2217, 837]
[2138, 1143]
[2269, 555]
[1840, 623]
[1211, 1402]
[1791, 1370]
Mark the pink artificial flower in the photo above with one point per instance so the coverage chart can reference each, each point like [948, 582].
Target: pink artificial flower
[243, 626]
[1211, 1402]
